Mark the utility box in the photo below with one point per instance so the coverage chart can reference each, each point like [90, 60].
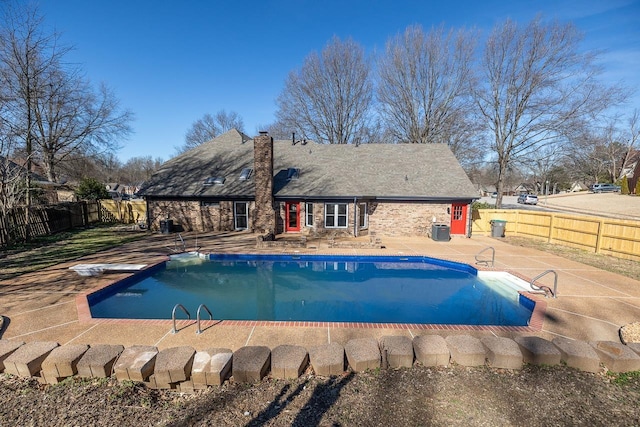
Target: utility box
[440, 232]
[497, 227]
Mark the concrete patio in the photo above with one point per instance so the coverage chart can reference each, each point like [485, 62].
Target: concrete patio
[592, 304]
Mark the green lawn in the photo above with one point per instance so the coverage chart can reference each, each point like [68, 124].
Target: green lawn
[46, 251]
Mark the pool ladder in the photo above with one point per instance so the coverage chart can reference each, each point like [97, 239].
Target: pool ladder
[175, 244]
[540, 288]
[487, 262]
[181, 307]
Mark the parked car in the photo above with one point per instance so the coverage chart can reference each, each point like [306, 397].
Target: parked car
[605, 188]
[528, 199]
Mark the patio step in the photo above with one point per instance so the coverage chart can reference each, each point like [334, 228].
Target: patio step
[136, 363]
[211, 367]
[7, 347]
[173, 365]
[251, 364]
[398, 350]
[635, 346]
[502, 352]
[616, 356]
[327, 359]
[431, 350]
[538, 351]
[578, 354]
[466, 350]
[27, 360]
[98, 361]
[288, 361]
[62, 362]
[363, 354]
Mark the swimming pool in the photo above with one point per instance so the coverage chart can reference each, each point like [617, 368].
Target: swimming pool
[417, 290]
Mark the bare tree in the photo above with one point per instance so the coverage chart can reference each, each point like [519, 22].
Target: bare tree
[208, 127]
[139, 169]
[75, 117]
[27, 55]
[630, 136]
[535, 83]
[423, 86]
[329, 98]
[53, 109]
[540, 163]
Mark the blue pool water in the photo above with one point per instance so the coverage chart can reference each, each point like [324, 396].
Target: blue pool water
[316, 288]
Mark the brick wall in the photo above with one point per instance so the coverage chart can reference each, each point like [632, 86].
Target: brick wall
[385, 219]
[191, 216]
[264, 216]
[390, 219]
[406, 219]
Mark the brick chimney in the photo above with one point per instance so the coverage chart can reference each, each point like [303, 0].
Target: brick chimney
[265, 216]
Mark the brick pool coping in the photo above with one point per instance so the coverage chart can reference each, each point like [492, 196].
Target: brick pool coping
[535, 323]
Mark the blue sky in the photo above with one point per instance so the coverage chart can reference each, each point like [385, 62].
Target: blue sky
[170, 62]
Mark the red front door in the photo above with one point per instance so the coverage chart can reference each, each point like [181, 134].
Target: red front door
[292, 216]
[458, 219]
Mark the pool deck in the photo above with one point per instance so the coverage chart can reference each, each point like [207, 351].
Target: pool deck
[592, 304]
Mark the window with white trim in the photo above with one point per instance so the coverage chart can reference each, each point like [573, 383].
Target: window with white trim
[363, 216]
[335, 215]
[241, 215]
[308, 213]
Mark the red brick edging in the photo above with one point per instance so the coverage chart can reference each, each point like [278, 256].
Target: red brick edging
[535, 323]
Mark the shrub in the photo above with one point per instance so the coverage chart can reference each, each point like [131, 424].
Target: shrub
[91, 189]
[484, 205]
[624, 185]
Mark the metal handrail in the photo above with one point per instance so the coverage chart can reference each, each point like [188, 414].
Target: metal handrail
[198, 330]
[485, 261]
[175, 245]
[173, 316]
[555, 282]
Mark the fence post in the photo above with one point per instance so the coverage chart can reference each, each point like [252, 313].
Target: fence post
[551, 218]
[85, 213]
[599, 238]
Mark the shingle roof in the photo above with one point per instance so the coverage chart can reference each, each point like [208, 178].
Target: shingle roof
[382, 171]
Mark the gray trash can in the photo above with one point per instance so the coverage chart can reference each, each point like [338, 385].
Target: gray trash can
[440, 232]
[497, 227]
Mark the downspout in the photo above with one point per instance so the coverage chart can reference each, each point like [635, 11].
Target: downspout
[355, 217]
[146, 201]
[469, 220]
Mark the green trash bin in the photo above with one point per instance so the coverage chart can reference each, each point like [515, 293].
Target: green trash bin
[497, 227]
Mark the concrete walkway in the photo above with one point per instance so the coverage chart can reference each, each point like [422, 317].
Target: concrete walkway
[41, 306]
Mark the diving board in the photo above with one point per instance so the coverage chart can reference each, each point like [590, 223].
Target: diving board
[96, 269]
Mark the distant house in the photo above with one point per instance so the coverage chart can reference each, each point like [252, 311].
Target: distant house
[486, 190]
[527, 188]
[235, 182]
[46, 191]
[631, 170]
[577, 186]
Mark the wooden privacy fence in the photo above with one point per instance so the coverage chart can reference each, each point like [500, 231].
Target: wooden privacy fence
[125, 211]
[45, 220]
[619, 238]
[49, 219]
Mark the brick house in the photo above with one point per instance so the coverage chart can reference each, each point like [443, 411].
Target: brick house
[235, 182]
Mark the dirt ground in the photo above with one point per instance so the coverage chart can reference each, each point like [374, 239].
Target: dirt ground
[453, 396]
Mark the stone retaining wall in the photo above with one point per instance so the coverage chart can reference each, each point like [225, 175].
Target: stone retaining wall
[185, 369]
